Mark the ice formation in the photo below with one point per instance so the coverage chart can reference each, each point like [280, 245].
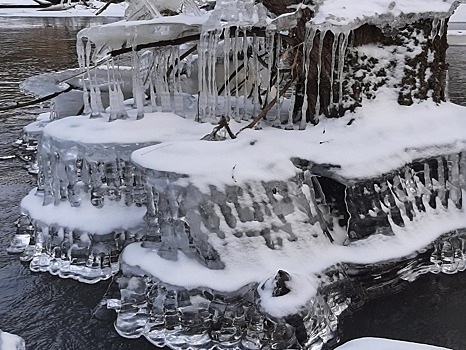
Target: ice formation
[10, 341]
[272, 156]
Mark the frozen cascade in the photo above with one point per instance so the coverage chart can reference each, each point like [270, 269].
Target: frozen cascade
[313, 211]
[188, 219]
[86, 176]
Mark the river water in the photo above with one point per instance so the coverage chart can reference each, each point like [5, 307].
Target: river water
[50, 313]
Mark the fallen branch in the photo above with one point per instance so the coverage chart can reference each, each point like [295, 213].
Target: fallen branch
[222, 123]
[103, 8]
[267, 108]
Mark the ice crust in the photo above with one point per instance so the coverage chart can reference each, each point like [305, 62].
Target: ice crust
[10, 341]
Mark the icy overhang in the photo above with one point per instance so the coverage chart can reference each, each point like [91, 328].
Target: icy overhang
[127, 34]
[378, 138]
[342, 13]
[155, 127]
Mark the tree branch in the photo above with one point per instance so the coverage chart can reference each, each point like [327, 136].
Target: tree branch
[267, 108]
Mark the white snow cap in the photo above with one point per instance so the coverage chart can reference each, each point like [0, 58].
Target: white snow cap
[343, 12]
[385, 344]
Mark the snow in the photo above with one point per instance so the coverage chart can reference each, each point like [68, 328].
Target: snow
[384, 344]
[459, 15]
[10, 341]
[75, 10]
[341, 13]
[114, 215]
[127, 33]
[156, 126]
[382, 137]
[248, 259]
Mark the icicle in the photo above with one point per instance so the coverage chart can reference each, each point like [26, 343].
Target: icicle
[98, 95]
[138, 91]
[226, 71]
[289, 125]
[332, 69]
[153, 96]
[163, 89]
[95, 113]
[213, 97]
[202, 100]
[442, 27]
[342, 45]
[269, 47]
[246, 75]
[307, 49]
[319, 69]
[176, 74]
[83, 67]
[434, 31]
[277, 82]
[256, 77]
[111, 91]
[236, 66]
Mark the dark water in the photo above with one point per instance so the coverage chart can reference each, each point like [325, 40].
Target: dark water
[50, 313]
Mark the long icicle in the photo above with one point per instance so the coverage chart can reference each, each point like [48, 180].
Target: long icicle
[307, 49]
[319, 71]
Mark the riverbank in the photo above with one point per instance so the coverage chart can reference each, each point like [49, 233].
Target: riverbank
[29, 8]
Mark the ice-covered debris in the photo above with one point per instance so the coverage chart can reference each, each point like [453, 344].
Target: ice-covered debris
[385, 344]
[129, 34]
[10, 341]
[342, 13]
[286, 293]
[237, 13]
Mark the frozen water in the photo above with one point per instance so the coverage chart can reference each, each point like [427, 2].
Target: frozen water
[256, 240]
[10, 341]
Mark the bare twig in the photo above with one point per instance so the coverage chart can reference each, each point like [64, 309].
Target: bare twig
[103, 8]
[222, 123]
[267, 108]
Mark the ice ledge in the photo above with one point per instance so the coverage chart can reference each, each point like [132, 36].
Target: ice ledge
[113, 216]
[156, 126]
[374, 140]
[299, 257]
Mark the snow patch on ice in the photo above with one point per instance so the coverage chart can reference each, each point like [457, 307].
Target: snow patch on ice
[153, 127]
[385, 344]
[114, 215]
[10, 341]
[383, 136]
[248, 259]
